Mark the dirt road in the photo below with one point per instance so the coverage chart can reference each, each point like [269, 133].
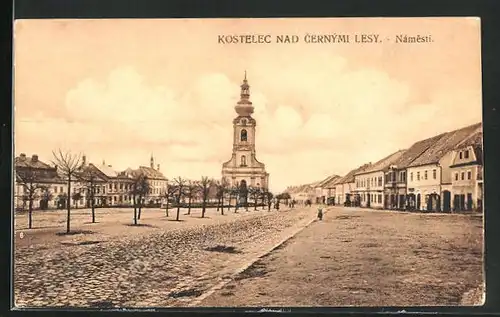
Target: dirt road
[368, 258]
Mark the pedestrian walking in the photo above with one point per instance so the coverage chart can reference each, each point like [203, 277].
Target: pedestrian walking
[320, 213]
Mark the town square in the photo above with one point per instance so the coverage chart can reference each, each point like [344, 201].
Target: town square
[243, 175]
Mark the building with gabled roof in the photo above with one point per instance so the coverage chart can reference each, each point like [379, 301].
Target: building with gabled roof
[157, 184]
[344, 186]
[52, 188]
[322, 191]
[429, 183]
[370, 181]
[395, 177]
[467, 174]
[302, 193]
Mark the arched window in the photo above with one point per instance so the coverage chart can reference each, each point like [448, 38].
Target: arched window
[244, 121]
[243, 160]
[243, 135]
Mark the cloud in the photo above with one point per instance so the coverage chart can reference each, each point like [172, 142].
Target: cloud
[313, 119]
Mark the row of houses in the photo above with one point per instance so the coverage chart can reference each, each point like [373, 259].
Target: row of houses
[441, 173]
[111, 187]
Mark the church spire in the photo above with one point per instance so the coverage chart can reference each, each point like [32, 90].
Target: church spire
[245, 91]
[244, 106]
[152, 161]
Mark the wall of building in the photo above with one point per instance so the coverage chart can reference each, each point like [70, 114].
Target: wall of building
[465, 183]
[370, 187]
[445, 162]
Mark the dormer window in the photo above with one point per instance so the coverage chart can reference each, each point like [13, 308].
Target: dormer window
[460, 155]
[466, 154]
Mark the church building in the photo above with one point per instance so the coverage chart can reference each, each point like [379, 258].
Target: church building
[243, 169]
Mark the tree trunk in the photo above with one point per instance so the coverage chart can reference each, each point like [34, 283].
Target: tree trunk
[140, 207]
[222, 205]
[178, 207]
[68, 205]
[218, 203]
[255, 202]
[30, 213]
[203, 208]
[135, 210]
[166, 208]
[93, 209]
[189, 205]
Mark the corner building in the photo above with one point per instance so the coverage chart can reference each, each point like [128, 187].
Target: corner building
[243, 169]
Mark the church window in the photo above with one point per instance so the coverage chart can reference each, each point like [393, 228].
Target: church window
[243, 135]
[243, 160]
[244, 122]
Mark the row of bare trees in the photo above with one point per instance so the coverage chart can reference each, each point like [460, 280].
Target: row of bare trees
[179, 193]
[183, 192]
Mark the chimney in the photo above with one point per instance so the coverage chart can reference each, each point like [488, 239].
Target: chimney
[22, 156]
[34, 158]
[158, 167]
[84, 160]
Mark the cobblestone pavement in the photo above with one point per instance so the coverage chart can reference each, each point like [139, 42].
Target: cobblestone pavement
[367, 258]
[155, 269]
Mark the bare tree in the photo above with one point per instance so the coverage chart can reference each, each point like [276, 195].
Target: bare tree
[68, 165]
[45, 198]
[168, 194]
[29, 181]
[180, 192]
[204, 188]
[269, 197]
[190, 192]
[233, 193]
[286, 197]
[254, 193]
[262, 197]
[90, 179]
[222, 187]
[139, 190]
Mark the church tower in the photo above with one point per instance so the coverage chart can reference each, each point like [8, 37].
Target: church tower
[243, 169]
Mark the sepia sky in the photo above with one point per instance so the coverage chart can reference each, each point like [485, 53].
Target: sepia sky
[119, 90]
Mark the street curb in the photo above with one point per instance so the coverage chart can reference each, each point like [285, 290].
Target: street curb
[227, 280]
